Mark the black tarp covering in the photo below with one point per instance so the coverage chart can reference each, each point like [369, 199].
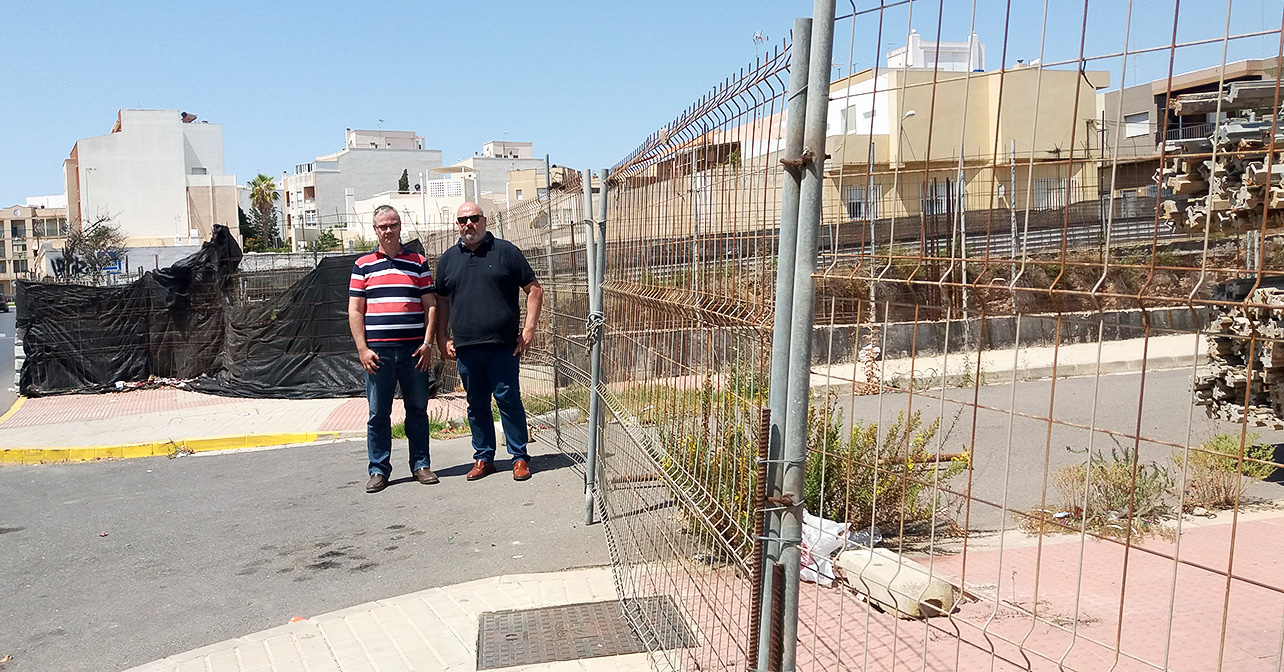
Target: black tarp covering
[168, 324]
[183, 322]
[296, 346]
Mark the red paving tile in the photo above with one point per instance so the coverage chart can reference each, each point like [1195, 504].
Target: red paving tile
[1162, 615]
[82, 407]
[352, 414]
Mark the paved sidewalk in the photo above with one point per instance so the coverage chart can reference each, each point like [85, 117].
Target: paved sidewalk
[1029, 363]
[159, 421]
[434, 629]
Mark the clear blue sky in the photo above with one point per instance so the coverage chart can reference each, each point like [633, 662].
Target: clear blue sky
[584, 81]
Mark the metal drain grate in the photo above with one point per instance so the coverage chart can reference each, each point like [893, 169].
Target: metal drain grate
[576, 631]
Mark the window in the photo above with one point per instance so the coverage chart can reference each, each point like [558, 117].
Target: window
[197, 170]
[859, 206]
[519, 194]
[935, 197]
[1136, 125]
[4, 266]
[19, 265]
[310, 217]
[19, 247]
[1053, 193]
[18, 228]
[51, 227]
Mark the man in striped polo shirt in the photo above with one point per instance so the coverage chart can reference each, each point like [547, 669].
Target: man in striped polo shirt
[391, 306]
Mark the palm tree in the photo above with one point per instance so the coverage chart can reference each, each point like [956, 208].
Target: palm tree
[263, 194]
[263, 198]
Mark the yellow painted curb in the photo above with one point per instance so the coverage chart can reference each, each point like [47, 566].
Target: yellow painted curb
[13, 409]
[181, 446]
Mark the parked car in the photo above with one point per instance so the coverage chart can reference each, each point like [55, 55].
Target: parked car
[4, 303]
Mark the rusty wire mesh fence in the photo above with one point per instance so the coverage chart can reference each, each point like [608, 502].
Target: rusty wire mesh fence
[1044, 360]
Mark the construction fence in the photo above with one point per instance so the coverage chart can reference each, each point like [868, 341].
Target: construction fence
[1031, 420]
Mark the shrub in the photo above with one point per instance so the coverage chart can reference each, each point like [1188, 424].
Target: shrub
[863, 478]
[1101, 492]
[1215, 476]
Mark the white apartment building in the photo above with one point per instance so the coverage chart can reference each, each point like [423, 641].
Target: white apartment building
[497, 159]
[942, 56]
[323, 193]
[158, 175]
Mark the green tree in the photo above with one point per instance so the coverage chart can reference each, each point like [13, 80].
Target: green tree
[251, 235]
[263, 198]
[326, 242]
[403, 185]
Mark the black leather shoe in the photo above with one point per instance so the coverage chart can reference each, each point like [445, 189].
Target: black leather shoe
[376, 483]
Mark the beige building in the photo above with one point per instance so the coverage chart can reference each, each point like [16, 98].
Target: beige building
[946, 141]
[23, 230]
[1137, 119]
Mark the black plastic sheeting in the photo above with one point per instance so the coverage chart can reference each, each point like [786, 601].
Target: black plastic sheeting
[182, 322]
[295, 346]
[169, 324]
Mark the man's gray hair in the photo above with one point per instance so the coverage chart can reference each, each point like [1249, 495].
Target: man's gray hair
[386, 208]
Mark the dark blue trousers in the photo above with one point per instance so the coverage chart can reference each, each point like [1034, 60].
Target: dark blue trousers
[396, 367]
[491, 370]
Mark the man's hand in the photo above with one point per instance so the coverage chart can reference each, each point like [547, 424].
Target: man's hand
[524, 341]
[369, 360]
[423, 357]
[447, 350]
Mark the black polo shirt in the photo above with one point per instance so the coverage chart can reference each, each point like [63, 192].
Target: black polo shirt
[482, 286]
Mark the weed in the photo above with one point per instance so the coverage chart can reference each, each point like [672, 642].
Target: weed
[867, 476]
[1112, 494]
[1216, 477]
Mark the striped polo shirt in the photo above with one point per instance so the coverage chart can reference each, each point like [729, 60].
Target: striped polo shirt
[392, 287]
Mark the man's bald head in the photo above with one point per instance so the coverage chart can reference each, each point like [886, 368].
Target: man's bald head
[472, 224]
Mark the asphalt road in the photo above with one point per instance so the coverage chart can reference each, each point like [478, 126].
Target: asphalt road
[110, 565]
[1013, 457]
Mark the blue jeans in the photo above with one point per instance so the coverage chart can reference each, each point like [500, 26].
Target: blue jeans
[487, 370]
[396, 366]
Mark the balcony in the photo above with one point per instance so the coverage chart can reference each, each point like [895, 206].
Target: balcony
[1191, 132]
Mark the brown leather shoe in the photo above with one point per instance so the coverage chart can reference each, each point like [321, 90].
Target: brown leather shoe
[424, 475]
[376, 483]
[521, 471]
[481, 469]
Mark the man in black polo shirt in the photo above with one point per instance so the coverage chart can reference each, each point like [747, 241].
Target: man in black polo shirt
[477, 282]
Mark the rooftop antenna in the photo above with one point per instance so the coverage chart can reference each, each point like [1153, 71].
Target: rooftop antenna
[758, 38]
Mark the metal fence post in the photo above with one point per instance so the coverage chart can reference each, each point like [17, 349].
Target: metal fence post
[810, 207]
[597, 327]
[595, 308]
[552, 312]
[778, 386]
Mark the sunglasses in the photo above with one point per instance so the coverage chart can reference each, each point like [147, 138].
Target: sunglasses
[470, 218]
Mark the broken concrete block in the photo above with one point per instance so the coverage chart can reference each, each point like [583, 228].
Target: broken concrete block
[896, 583]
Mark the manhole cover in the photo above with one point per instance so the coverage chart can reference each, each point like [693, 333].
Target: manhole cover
[576, 631]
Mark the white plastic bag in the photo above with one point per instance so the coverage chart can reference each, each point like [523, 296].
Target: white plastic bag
[821, 538]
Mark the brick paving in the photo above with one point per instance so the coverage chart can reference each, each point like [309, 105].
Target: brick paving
[352, 413]
[1050, 606]
[84, 407]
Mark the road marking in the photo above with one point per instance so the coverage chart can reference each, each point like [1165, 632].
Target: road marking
[13, 409]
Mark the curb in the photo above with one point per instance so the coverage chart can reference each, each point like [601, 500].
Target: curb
[17, 404]
[171, 447]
